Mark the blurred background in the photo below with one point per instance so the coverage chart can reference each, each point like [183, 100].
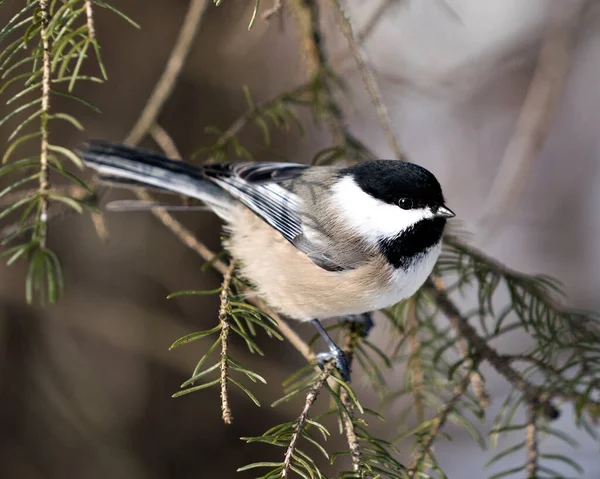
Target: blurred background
[85, 385]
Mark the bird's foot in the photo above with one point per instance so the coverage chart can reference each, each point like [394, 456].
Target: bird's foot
[341, 362]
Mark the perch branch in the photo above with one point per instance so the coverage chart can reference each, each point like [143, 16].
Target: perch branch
[311, 397]
[224, 320]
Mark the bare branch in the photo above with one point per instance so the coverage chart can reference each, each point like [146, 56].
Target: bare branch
[536, 115]
[167, 81]
[415, 365]
[438, 423]
[274, 10]
[308, 19]
[90, 20]
[476, 379]
[368, 77]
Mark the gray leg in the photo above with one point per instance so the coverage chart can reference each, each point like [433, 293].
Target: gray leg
[341, 362]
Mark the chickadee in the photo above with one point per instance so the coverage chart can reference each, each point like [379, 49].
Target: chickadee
[316, 242]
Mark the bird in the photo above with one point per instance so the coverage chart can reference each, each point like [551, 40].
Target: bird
[315, 242]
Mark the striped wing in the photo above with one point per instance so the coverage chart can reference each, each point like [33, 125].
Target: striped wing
[258, 186]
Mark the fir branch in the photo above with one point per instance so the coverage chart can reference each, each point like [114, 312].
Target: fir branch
[352, 335]
[224, 320]
[486, 352]
[463, 346]
[415, 364]
[438, 424]
[531, 441]
[44, 170]
[311, 397]
[369, 78]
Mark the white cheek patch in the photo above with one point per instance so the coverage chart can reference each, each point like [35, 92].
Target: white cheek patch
[370, 218]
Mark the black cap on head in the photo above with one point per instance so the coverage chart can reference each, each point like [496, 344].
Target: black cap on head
[389, 181]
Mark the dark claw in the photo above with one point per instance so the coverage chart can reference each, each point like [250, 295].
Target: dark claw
[341, 362]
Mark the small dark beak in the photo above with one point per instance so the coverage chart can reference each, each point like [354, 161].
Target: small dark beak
[444, 212]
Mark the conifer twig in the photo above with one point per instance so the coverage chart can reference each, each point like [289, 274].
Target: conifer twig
[439, 422]
[416, 367]
[351, 337]
[224, 320]
[480, 346]
[168, 79]
[274, 10]
[90, 20]
[311, 397]
[531, 441]
[476, 379]
[369, 79]
[45, 116]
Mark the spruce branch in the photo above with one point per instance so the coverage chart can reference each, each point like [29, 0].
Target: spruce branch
[368, 76]
[531, 441]
[486, 352]
[437, 425]
[224, 320]
[44, 117]
[311, 397]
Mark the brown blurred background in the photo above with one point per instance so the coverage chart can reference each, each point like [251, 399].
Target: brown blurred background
[85, 386]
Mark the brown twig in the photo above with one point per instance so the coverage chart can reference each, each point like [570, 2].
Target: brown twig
[368, 77]
[167, 81]
[476, 379]
[45, 116]
[351, 338]
[438, 423]
[374, 19]
[164, 140]
[536, 115]
[531, 441]
[89, 13]
[224, 320]
[416, 367]
[274, 10]
[308, 20]
[311, 397]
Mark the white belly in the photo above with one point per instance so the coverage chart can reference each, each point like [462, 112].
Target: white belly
[405, 283]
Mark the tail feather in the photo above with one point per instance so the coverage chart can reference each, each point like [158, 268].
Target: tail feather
[125, 166]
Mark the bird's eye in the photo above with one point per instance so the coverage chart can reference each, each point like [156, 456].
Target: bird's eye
[405, 203]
